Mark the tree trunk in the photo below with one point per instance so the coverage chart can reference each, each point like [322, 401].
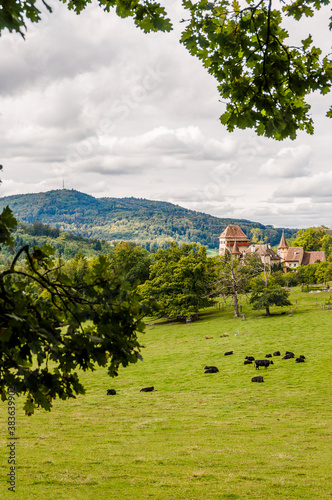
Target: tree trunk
[236, 307]
[267, 311]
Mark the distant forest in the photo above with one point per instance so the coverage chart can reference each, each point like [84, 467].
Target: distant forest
[145, 222]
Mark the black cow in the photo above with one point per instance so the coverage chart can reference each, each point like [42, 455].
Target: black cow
[268, 355]
[288, 355]
[263, 362]
[257, 379]
[211, 369]
[147, 389]
[277, 353]
[301, 356]
[247, 362]
[299, 360]
[111, 392]
[250, 358]
[228, 353]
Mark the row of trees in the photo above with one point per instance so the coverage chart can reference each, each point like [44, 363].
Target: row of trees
[183, 280]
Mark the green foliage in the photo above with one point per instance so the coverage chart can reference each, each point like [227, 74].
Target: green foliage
[66, 245]
[286, 279]
[147, 15]
[264, 80]
[313, 274]
[7, 224]
[181, 281]
[145, 222]
[136, 261]
[53, 323]
[314, 239]
[266, 294]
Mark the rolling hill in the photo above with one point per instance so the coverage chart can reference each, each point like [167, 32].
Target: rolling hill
[145, 222]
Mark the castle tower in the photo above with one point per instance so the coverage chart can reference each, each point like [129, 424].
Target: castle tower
[233, 235]
[282, 247]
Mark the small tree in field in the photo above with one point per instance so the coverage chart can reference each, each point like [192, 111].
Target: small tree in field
[268, 293]
[234, 276]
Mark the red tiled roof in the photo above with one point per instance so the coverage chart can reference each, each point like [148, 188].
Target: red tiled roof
[312, 257]
[234, 233]
[264, 250]
[294, 254]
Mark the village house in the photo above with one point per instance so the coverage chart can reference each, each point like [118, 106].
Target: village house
[292, 257]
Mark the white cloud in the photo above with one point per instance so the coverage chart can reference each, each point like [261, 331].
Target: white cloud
[316, 186]
[289, 162]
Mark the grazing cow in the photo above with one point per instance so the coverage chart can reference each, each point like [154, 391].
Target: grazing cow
[257, 379]
[111, 392]
[211, 369]
[289, 355]
[250, 358]
[228, 353]
[299, 360]
[147, 389]
[277, 353]
[263, 362]
[248, 362]
[268, 355]
[301, 356]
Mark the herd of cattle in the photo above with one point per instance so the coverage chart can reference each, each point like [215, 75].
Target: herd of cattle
[259, 362]
[248, 360]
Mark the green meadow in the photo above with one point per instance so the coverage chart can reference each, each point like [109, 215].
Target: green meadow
[196, 436]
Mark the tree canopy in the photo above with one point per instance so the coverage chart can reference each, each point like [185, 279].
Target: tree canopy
[182, 281]
[262, 78]
[267, 293]
[314, 239]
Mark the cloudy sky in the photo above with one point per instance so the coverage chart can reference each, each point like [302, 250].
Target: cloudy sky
[91, 102]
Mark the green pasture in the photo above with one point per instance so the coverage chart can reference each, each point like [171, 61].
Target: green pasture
[197, 436]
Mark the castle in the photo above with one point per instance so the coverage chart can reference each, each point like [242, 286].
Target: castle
[233, 240]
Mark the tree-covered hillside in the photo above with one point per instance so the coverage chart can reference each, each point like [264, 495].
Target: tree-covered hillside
[67, 245]
[146, 222]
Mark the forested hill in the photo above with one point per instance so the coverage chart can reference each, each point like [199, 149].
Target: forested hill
[128, 219]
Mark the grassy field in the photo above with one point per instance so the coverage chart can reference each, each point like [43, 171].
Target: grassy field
[197, 436]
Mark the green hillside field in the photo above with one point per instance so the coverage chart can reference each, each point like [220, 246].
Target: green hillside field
[196, 436]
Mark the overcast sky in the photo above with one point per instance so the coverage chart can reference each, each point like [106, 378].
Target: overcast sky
[93, 102]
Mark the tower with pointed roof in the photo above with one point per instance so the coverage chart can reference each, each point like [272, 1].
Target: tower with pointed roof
[282, 247]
